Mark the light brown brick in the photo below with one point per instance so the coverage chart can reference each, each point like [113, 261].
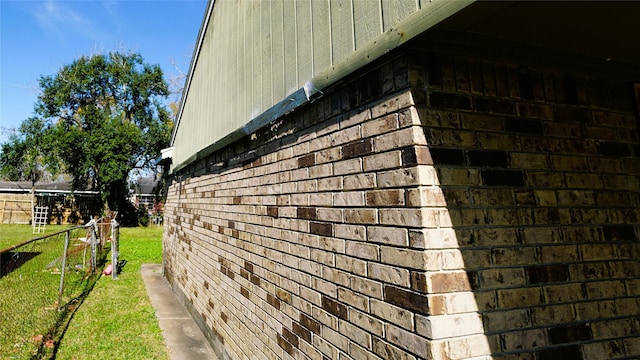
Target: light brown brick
[351, 232]
[443, 282]
[367, 322]
[407, 217]
[367, 286]
[387, 235]
[361, 216]
[383, 198]
[352, 166]
[349, 198]
[514, 319]
[324, 156]
[352, 265]
[362, 250]
[421, 175]
[389, 274]
[412, 259]
[382, 161]
[563, 293]
[595, 310]
[433, 238]
[470, 346]
[502, 277]
[380, 126]
[449, 326]
[524, 340]
[603, 350]
[523, 297]
[547, 315]
[360, 181]
[406, 340]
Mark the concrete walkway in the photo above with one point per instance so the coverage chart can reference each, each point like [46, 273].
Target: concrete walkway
[181, 334]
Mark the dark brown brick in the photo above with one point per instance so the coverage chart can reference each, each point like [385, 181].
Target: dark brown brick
[272, 211]
[254, 280]
[248, 266]
[525, 80]
[217, 335]
[409, 157]
[322, 229]
[290, 337]
[547, 273]
[334, 307]
[285, 345]
[488, 158]
[308, 213]
[570, 89]
[619, 233]
[224, 317]
[447, 156]
[302, 332]
[309, 323]
[227, 272]
[307, 160]
[393, 197]
[418, 155]
[572, 114]
[244, 273]
[419, 282]
[237, 200]
[273, 301]
[524, 126]
[406, 299]
[244, 292]
[568, 334]
[615, 149]
[357, 149]
[565, 353]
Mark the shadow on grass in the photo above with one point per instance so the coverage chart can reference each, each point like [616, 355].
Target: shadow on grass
[11, 261]
[50, 344]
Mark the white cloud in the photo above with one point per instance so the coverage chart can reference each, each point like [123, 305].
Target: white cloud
[65, 21]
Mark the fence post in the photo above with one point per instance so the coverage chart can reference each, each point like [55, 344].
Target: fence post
[92, 242]
[115, 248]
[64, 265]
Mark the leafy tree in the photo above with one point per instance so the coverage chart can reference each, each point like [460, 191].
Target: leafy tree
[97, 119]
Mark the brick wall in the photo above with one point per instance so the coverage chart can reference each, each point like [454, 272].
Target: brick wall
[539, 169]
[431, 206]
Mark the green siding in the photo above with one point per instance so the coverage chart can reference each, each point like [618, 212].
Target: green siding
[255, 53]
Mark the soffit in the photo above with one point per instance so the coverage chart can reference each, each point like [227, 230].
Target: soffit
[602, 30]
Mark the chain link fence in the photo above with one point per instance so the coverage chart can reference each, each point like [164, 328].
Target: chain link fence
[45, 279]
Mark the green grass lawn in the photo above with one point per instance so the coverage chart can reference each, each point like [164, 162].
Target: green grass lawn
[11, 234]
[116, 319]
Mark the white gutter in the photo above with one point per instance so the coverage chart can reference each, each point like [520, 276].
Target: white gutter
[413, 25]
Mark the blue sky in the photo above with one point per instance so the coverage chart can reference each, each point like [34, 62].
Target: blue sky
[38, 37]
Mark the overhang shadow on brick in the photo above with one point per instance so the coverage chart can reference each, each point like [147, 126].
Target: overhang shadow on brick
[539, 169]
